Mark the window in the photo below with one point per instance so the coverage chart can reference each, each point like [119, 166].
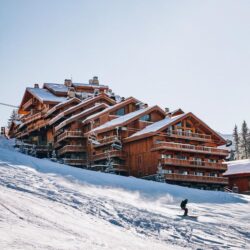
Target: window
[145, 118]
[179, 131]
[188, 125]
[120, 112]
[198, 173]
[198, 161]
[167, 171]
[213, 174]
[183, 172]
[166, 156]
[212, 160]
[179, 124]
[181, 157]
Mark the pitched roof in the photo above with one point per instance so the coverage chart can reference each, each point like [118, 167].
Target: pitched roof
[56, 87]
[82, 104]
[60, 105]
[81, 114]
[157, 126]
[111, 108]
[238, 167]
[125, 118]
[43, 95]
[163, 124]
[94, 86]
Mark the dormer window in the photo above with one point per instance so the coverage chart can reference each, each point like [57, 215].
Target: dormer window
[145, 118]
[120, 112]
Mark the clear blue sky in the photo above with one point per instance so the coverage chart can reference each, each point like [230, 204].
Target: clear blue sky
[189, 54]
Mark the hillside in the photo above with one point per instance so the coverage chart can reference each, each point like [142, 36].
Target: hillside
[46, 205]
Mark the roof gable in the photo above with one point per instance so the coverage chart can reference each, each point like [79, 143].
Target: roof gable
[169, 121]
[82, 114]
[112, 108]
[125, 119]
[62, 104]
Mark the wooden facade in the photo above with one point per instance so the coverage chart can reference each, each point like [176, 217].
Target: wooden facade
[88, 126]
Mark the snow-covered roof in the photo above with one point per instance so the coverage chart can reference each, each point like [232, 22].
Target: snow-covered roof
[68, 111]
[120, 120]
[79, 115]
[157, 125]
[88, 85]
[61, 104]
[56, 87]
[45, 96]
[111, 108]
[238, 167]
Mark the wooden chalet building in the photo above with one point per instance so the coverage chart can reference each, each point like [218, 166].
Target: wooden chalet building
[88, 126]
[238, 174]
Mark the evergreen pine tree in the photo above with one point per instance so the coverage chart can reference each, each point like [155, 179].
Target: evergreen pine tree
[13, 117]
[237, 142]
[245, 140]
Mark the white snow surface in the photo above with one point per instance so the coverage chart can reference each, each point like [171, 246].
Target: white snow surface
[46, 205]
[157, 125]
[45, 96]
[120, 120]
[57, 87]
[79, 115]
[238, 167]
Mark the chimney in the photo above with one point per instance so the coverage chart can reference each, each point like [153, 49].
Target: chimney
[167, 110]
[94, 81]
[36, 86]
[68, 82]
[71, 92]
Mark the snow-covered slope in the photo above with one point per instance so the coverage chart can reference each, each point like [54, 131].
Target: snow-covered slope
[45, 205]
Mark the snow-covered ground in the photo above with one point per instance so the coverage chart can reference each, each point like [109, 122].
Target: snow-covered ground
[45, 205]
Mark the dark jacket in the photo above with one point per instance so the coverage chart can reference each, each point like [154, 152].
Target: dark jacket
[184, 203]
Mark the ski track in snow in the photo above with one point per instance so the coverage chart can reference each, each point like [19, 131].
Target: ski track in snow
[215, 228]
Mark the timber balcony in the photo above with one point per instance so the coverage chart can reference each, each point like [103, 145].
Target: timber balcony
[71, 149]
[189, 135]
[195, 178]
[37, 125]
[69, 134]
[43, 148]
[194, 163]
[113, 153]
[32, 118]
[188, 148]
[106, 141]
[75, 162]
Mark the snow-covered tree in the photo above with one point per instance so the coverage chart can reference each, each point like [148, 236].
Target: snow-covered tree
[237, 142]
[13, 117]
[245, 140]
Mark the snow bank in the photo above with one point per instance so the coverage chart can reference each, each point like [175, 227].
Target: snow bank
[148, 189]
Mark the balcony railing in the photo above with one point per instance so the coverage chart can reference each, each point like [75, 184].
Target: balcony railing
[69, 134]
[113, 153]
[31, 118]
[107, 140]
[71, 148]
[75, 162]
[194, 163]
[189, 148]
[36, 126]
[189, 135]
[195, 178]
[43, 148]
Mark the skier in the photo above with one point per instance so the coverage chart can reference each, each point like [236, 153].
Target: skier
[183, 206]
